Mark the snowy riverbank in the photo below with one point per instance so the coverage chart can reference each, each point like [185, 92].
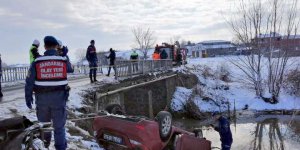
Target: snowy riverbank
[212, 94]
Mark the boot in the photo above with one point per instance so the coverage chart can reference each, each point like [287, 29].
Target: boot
[95, 75]
[91, 79]
[91, 75]
[108, 71]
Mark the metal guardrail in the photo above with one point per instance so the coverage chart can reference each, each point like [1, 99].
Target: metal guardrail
[14, 74]
[131, 68]
[123, 69]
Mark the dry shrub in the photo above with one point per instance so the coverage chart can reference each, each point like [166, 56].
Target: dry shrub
[224, 73]
[207, 72]
[293, 82]
[192, 110]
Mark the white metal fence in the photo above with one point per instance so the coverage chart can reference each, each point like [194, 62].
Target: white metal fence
[131, 68]
[123, 69]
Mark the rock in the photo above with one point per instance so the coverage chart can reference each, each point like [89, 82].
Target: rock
[13, 110]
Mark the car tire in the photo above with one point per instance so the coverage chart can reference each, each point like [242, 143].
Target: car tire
[164, 120]
[114, 109]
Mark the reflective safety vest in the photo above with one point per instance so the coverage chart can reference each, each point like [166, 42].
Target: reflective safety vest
[134, 55]
[30, 54]
[155, 56]
[51, 71]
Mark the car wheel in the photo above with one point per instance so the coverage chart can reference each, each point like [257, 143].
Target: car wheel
[114, 109]
[164, 119]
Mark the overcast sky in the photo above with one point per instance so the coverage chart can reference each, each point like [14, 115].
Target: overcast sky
[108, 22]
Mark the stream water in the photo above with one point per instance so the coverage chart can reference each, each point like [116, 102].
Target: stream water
[261, 133]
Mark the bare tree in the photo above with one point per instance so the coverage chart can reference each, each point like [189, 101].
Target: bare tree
[174, 39]
[144, 39]
[259, 20]
[247, 27]
[80, 54]
[286, 23]
[183, 43]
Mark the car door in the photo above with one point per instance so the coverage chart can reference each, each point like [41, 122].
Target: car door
[189, 142]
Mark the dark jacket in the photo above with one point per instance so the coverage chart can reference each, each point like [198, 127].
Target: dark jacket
[224, 130]
[91, 54]
[163, 55]
[112, 57]
[134, 56]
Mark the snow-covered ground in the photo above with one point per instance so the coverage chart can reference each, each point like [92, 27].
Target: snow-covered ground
[13, 104]
[238, 93]
[180, 97]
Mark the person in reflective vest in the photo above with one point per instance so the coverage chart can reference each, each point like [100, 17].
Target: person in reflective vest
[156, 55]
[34, 52]
[47, 77]
[134, 58]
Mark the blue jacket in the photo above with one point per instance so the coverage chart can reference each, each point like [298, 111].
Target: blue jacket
[224, 130]
[91, 54]
[31, 78]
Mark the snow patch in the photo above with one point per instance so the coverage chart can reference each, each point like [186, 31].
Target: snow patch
[180, 98]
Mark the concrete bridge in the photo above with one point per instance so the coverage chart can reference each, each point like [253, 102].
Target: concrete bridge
[123, 68]
[146, 98]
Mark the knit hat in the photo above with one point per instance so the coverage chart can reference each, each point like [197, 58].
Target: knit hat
[50, 41]
[36, 42]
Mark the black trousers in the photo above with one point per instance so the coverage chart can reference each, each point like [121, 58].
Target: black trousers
[111, 64]
[93, 71]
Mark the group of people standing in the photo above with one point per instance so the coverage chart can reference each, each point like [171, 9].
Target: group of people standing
[91, 57]
[159, 55]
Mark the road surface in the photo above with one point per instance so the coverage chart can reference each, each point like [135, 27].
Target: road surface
[15, 93]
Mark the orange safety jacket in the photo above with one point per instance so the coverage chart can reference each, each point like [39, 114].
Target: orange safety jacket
[156, 56]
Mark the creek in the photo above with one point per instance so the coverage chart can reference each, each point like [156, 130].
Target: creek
[268, 132]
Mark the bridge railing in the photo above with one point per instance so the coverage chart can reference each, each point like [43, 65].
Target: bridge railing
[132, 68]
[123, 69]
[14, 74]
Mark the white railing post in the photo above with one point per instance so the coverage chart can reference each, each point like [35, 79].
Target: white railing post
[130, 69]
[143, 66]
[152, 66]
[116, 71]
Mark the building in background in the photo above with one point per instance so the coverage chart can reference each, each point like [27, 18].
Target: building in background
[213, 48]
[190, 49]
[275, 43]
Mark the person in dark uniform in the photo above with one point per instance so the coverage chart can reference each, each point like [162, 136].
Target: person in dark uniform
[91, 57]
[112, 58]
[223, 127]
[47, 77]
[62, 50]
[163, 54]
[1, 94]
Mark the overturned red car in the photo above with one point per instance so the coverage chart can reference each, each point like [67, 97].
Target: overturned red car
[119, 132]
